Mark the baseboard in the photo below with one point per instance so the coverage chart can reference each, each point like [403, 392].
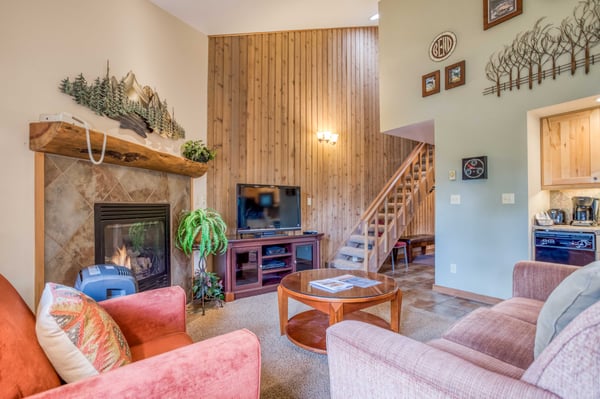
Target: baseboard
[490, 300]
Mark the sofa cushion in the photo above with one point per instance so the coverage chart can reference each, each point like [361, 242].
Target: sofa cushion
[78, 336]
[24, 368]
[572, 296]
[480, 359]
[497, 335]
[525, 309]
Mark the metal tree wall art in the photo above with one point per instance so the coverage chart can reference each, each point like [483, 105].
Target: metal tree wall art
[135, 107]
[545, 45]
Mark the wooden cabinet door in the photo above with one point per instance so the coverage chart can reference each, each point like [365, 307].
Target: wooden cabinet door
[304, 256]
[571, 149]
[246, 266]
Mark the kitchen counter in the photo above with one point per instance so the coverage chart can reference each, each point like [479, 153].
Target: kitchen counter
[569, 228]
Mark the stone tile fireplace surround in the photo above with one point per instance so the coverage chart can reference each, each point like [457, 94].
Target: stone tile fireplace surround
[72, 187]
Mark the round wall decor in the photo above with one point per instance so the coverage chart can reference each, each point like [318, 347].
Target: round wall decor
[442, 46]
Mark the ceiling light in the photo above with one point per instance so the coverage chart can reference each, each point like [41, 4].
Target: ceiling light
[374, 17]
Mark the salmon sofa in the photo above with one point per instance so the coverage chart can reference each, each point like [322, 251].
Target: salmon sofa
[166, 364]
[487, 354]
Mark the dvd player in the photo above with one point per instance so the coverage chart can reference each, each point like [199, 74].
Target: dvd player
[275, 250]
[273, 264]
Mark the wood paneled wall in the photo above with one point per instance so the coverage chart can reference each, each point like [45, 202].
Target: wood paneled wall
[270, 93]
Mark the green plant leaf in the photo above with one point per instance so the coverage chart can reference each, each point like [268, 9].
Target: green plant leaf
[195, 150]
[203, 230]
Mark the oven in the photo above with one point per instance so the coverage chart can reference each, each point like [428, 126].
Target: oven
[566, 247]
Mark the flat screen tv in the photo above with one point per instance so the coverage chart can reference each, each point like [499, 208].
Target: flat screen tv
[265, 208]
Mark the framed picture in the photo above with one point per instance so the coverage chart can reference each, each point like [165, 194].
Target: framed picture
[430, 83]
[455, 75]
[497, 11]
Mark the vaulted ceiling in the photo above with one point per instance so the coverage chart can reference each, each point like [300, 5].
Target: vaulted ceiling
[221, 17]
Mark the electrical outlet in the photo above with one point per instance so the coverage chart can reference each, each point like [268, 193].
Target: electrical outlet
[455, 199]
[453, 268]
[309, 201]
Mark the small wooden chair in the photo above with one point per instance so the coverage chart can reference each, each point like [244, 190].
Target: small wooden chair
[399, 245]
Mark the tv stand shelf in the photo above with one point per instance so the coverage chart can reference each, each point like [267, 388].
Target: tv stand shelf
[242, 269]
[277, 256]
[278, 270]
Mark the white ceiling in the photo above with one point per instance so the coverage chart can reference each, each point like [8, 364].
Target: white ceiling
[221, 17]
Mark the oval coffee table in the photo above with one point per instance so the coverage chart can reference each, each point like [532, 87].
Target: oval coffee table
[307, 329]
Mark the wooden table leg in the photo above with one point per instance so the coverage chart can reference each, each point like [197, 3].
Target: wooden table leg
[336, 312]
[395, 309]
[282, 301]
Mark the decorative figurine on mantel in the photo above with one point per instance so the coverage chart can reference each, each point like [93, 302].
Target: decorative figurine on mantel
[135, 107]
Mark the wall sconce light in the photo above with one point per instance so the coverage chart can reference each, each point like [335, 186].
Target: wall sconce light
[327, 137]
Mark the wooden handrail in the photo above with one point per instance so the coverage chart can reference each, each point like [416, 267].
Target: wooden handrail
[387, 231]
[392, 182]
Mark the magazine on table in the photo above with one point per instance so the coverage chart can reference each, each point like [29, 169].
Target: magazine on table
[331, 285]
[361, 282]
[343, 282]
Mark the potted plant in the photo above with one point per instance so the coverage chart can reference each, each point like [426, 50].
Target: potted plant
[203, 230]
[195, 150]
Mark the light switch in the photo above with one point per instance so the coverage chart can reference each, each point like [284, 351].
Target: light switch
[451, 175]
[309, 201]
[455, 199]
[508, 198]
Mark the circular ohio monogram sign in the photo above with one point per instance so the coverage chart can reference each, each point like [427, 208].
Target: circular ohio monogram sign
[442, 46]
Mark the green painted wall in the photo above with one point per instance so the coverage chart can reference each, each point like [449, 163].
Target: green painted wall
[483, 237]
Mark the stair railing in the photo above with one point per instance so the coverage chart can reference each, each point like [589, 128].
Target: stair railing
[392, 209]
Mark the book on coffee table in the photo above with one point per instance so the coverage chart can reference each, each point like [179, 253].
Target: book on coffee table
[331, 285]
[361, 282]
[343, 282]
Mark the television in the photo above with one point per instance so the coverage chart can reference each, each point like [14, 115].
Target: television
[267, 209]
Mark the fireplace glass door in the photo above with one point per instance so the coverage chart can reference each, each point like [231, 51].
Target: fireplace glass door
[135, 236]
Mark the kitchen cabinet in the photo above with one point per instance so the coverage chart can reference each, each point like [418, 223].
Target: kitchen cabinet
[570, 147]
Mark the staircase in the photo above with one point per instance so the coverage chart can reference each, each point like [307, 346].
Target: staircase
[383, 223]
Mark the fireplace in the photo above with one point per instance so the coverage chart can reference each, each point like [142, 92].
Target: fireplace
[135, 236]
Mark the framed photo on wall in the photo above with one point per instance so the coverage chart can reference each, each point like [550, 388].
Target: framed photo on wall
[430, 83]
[455, 75]
[497, 11]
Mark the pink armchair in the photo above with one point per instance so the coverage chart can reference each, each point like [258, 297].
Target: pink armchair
[166, 364]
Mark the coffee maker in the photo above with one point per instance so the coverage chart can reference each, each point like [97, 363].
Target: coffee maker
[585, 211]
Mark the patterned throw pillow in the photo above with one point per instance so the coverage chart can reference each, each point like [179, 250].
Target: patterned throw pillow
[78, 336]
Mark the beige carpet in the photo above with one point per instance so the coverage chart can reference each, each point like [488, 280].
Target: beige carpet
[287, 370]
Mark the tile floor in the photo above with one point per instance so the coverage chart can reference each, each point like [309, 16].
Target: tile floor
[416, 289]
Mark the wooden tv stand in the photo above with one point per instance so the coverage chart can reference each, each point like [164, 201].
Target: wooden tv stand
[253, 266]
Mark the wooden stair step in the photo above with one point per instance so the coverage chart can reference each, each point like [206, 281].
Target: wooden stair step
[346, 264]
[359, 239]
[353, 252]
[380, 228]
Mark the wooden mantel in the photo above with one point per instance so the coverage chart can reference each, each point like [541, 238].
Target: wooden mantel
[69, 140]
